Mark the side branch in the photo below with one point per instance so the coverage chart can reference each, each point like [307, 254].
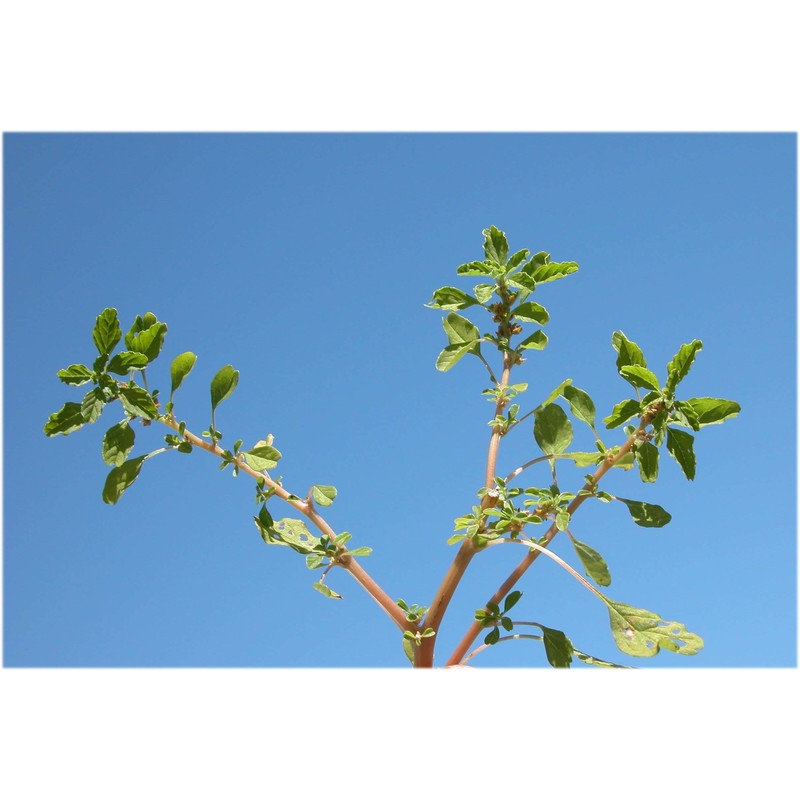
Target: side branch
[475, 628]
[307, 509]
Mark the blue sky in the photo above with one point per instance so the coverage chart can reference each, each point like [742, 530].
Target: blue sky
[305, 261]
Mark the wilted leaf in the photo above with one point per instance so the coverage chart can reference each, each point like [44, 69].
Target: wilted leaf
[638, 632]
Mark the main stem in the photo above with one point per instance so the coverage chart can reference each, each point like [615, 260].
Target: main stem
[442, 598]
[520, 569]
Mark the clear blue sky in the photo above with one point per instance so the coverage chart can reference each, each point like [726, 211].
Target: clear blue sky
[305, 261]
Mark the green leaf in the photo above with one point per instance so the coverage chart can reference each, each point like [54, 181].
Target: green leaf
[474, 268]
[580, 404]
[680, 445]
[639, 376]
[124, 362]
[106, 331]
[598, 662]
[460, 331]
[451, 355]
[557, 647]
[628, 353]
[118, 443]
[223, 384]
[557, 392]
[645, 514]
[146, 336]
[517, 259]
[536, 341]
[684, 414]
[492, 637]
[511, 600]
[531, 312]
[262, 456]
[66, 420]
[594, 564]
[483, 292]
[642, 633]
[712, 410]
[137, 402]
[584, 459]
[451, 298]
[181, 366]
[323, 495]
[360, 551]
[552, 429]
[646, 455]
[292, 533]
[552, 271]
[314, 560]
[326, 590]
[621, 413]
[495, 245]
[681, 363]
[75, 374]
[121, 478]
[92, 404]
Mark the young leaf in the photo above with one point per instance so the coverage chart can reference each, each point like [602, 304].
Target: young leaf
[223, 384]
[75, 374]
[181, 366]
[681, 363]
[146, 336]
[621, 413]
[536, 341]
[452, 299]
[106, 331]
[314, 560]
[557, 647]
[531, 312]
[638, 632]
[594, 564]
[124, 362]
[483, 292]
[92, 404]
[580, 404]
[517, 259]
[628, 353]
[712, 410]
[120, 478]
[552, 271]
[118, 443]
[495, 245]
[646, 455]
[66, 420]
[511, 600]
[360, 551]
[323, 495]
[137, 402]
[474, 268]
[552, 429]
[555, 393]
[326, 590]
[262, 457]
[645, 514]
[680, 445]
[639, 376]
[459, 330]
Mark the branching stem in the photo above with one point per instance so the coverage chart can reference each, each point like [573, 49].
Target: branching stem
[307, 509]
